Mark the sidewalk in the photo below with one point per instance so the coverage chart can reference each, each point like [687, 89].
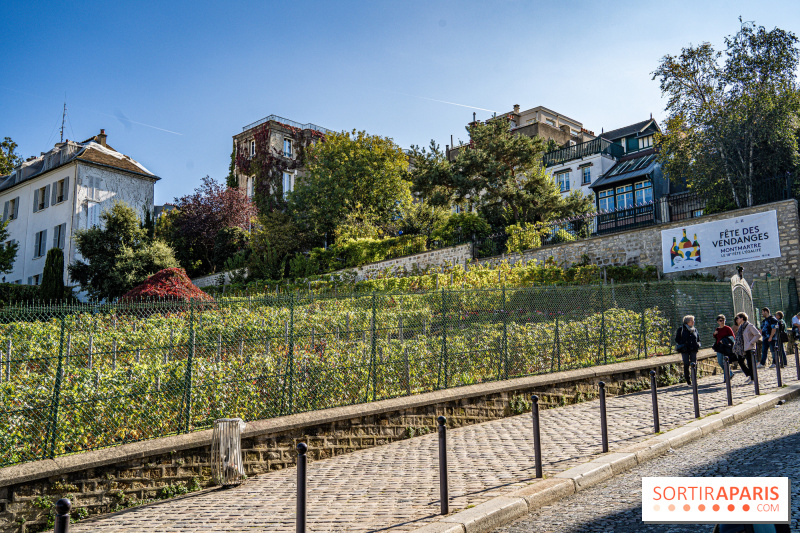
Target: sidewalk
[395, 487]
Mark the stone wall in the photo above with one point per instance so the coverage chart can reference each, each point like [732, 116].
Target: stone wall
[107, 480]
[453, 255]
[643, 247]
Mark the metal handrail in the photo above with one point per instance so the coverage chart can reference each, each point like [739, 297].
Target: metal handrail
[294, 124]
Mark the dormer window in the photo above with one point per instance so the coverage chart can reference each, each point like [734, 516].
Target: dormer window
[645, 142]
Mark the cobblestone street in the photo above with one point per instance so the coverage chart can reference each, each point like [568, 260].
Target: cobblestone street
[766, 445]
[395, 487]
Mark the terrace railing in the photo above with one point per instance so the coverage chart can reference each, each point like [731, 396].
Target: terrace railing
[294, 124]
[595, 146]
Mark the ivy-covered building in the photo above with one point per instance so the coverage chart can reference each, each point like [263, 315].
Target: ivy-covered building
[267, 158]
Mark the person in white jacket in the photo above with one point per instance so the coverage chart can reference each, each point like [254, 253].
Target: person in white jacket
[744, 348]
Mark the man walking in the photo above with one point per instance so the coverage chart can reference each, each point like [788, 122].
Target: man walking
[687, 342]
[744, 347]
[769, 331]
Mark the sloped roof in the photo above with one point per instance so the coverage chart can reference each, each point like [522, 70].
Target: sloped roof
[89, 151]
[627, 131]
[640, 164]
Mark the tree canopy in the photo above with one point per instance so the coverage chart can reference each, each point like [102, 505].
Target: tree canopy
[498, 172]
[8, 157]
[348, 172]
[200, 229]
[733, 116]
[8, 253]
[117, 255]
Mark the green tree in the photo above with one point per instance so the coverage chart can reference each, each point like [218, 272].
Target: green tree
[9, 160]
[498, 172]
[350, 172]
[117, 255]
[8, 252]
[52, 287]
[733, 116]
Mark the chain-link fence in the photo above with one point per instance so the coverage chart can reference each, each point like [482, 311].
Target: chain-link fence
[88, 376]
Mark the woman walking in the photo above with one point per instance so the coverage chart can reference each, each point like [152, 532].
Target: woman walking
[724, 340]
[744, 348]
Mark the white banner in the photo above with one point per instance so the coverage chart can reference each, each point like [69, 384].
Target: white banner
[733, 240]
[716, 500]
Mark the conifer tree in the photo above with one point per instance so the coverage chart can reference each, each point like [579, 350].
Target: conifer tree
[52, 287]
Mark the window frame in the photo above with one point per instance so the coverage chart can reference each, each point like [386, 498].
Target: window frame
[252, 148]
[624, 192]
[644, 187]
[586, 171]
[605, 196]
[563, 184]
[287, 141]
[287, 178]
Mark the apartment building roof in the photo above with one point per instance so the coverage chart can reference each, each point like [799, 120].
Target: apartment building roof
[627, 131]
[93, 150]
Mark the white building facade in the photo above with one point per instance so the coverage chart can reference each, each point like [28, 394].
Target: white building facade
[46, 199]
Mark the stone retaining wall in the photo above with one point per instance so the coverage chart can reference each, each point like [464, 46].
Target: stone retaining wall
[454, 255]
[107, 480]
[643, 247]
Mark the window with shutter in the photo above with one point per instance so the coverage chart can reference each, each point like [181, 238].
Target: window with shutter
[47, 196]
[53, 190]
[66, 188]
[35, 200]
[63, 239]
[5, 211]
[15, 203]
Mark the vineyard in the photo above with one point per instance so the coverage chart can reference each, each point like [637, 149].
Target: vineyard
[83, 377]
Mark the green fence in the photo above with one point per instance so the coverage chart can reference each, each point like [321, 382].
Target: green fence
[89, 376]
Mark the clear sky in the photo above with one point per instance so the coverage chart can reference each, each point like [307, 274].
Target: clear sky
[172, 81]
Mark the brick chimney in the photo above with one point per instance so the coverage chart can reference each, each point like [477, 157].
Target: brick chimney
[102, 137]
[516, 109]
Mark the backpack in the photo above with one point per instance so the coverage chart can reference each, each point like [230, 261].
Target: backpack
[679, 346]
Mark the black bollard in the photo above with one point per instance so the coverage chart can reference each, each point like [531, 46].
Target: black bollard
[797, 360]
[300, 521]
[654, 396]
[63, 507]
[443, 496]
[537, 440]
[603, 421]
[694, 390]
[727, 371]
[779, 353]
[755, 373]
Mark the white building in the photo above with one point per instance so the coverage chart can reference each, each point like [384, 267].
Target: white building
[47, 198]
[579, 166]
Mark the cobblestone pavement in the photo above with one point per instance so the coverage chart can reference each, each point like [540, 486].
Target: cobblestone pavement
[395, 487]
[766, 445]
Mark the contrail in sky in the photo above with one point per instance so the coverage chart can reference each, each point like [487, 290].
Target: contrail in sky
[446, 102]
[121, 118]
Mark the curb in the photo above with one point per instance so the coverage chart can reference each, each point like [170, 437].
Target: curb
[501, 510]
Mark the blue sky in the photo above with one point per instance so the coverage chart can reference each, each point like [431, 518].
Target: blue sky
[172, 81]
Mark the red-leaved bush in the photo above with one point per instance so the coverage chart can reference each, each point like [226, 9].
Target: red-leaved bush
[168, 284]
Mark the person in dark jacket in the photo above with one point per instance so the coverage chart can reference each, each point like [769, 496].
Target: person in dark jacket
[724, 340]
[688, 341]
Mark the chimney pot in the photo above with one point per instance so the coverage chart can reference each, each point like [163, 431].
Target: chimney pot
[516, 108]
[102, 137]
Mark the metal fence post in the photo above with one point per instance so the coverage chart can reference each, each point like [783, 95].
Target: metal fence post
[300, 521]
[654, 397]
[797, 360]
[727, 370]
[779, 353]
[290, 362]
[537, 439]
[443, 356]
[696, 399]
[505, 335]
[603, 325]
[63, 507]
[603, 420]
[187, 385]
[443, 492]
[754, 362]
[53, 423]
[373, 341]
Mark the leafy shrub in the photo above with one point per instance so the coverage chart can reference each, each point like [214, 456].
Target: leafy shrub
[13, 293]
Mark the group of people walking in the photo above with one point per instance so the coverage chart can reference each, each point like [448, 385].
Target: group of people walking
[739, 343]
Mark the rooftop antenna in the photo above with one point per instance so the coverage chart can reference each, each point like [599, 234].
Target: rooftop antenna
[63, 119]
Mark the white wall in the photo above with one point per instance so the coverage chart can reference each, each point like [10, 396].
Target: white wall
[86, 183]
[600, 165]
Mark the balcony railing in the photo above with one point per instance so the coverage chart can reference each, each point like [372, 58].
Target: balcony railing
[595, 146]
[288, 122]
